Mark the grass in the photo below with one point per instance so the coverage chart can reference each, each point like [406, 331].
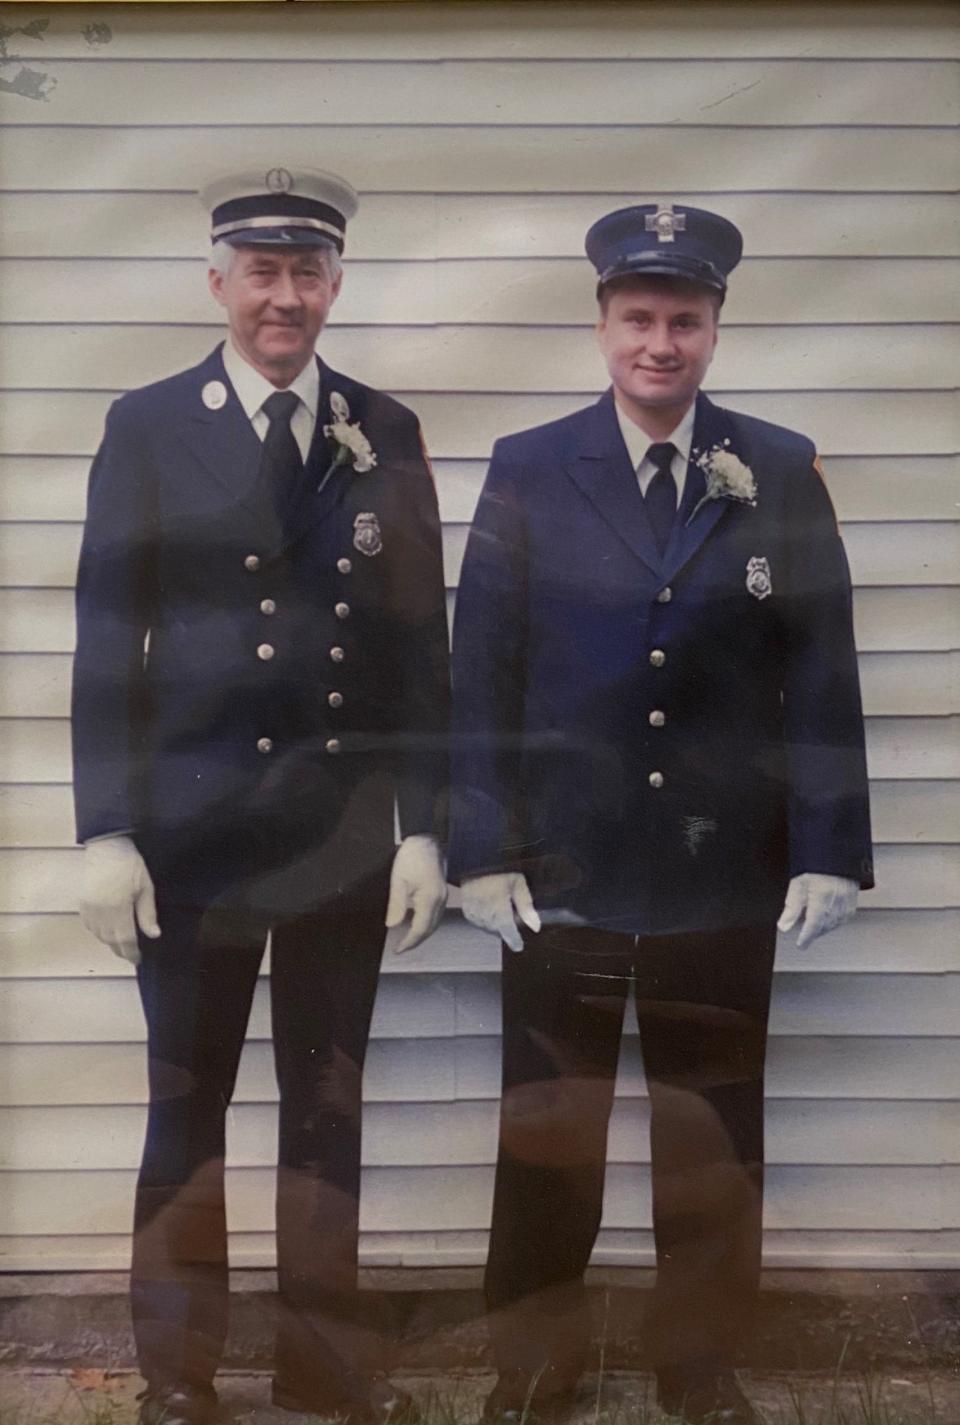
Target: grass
[616, 1399]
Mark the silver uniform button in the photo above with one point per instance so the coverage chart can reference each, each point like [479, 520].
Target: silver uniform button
[344, 566]
[265, 651]
[656, 780]
[657, 718]
[664, 596]
[658, 658]
[337, 654]
[268, 606]
[342, 610]
[252, 562]
[264, 744]
[335, 700]
[333, 745]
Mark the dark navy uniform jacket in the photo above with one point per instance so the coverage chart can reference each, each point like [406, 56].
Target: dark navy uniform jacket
[657, 743]
[251, 696]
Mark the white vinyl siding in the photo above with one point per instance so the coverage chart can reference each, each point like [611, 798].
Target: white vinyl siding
[484, 140]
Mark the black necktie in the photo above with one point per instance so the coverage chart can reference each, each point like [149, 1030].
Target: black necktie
[281, 465]
[661, 496]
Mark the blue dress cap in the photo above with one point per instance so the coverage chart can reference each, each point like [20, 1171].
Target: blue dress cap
[667, 240]
[302, 207]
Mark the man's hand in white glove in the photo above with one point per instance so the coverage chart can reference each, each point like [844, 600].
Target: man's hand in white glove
[117, 895]
[495, 903]
[824, 902]
[418, 884]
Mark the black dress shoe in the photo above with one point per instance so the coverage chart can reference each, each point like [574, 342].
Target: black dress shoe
[510, 1404]
[377, 1401]
[177, 1404]
[715, 1400]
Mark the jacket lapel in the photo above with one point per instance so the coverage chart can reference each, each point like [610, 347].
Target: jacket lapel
[602, 471]
[321, 493]
[712, 426]
[221, 437]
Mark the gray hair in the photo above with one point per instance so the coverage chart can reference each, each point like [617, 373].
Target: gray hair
[223, 253]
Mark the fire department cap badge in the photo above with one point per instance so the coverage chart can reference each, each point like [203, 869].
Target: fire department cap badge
[758, 577]
[366, 534]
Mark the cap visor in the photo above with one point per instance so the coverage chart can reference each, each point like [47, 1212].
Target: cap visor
[661, 267]
[280, 237]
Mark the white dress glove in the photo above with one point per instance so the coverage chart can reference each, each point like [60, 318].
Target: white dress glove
[418, 883]
[824, 902]
[495, 903]
[117, 895]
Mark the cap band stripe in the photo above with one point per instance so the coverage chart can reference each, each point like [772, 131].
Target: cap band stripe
[281, 221]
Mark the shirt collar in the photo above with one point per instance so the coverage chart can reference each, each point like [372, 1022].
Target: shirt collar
[638, 442]
[253, 388]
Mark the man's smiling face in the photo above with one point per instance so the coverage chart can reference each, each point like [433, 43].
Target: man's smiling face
[658, 339]
[277, 302]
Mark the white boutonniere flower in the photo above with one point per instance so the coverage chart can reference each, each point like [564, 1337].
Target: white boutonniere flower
[727, 477]
[352, 444]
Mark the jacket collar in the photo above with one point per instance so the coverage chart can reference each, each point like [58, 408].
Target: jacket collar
[712, 427]
[218, 431]
[602, 469]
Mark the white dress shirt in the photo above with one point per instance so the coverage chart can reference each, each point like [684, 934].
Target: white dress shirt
[253, 389]
[638, 443]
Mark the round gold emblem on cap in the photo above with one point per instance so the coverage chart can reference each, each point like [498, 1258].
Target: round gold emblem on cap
[279, 180]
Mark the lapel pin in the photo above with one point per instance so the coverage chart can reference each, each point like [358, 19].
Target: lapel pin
[214, 395]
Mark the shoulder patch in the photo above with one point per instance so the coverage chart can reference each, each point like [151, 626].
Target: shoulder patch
[819, 468]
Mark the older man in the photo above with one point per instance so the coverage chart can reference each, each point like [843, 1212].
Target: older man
[260, 686]
[660, 748]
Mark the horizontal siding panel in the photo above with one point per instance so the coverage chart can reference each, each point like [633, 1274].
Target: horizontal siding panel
[469, 359]
[485, 31]
[399, 1071]
[933, 1250]
[902, 684]
[56, 946]
[915, 487]
[396, 1071]
[923, 748]
[894, 684]
[915, 554]
[913, 747]
[486, 159]
[921, 553]
[475, 359]
[460, 1134]
[36, 814]
[852, 423]
[426, 1006]
[894, 620]
[726, 92]
[510, 293]
[803, 1005]
[463, 225]
[108, 1012]
[453, 1199]
[907, 487]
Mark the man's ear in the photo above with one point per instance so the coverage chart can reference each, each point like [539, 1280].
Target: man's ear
[335, 289]
[215, 283]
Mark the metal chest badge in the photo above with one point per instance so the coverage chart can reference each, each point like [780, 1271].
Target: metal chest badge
[366, 534]
[759, 583]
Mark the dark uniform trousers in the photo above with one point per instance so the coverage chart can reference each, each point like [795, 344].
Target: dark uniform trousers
[702, 1001]
[197, 985]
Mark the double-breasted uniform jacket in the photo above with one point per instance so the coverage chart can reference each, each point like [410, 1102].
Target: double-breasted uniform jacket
[253, 693]
[658, 743]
